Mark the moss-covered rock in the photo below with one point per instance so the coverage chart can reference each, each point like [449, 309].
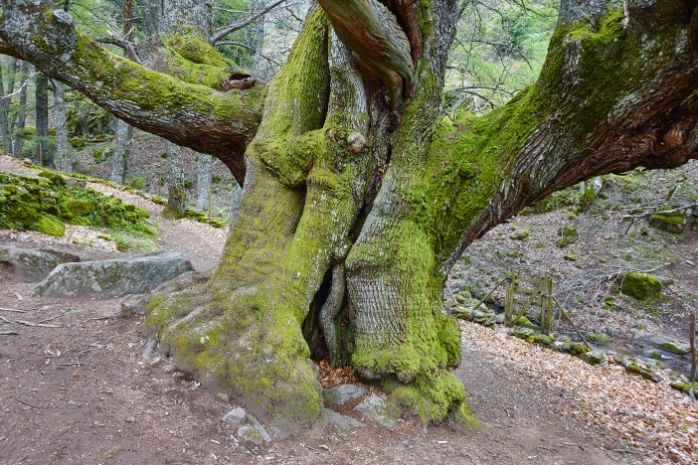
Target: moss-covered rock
[46, 203]
[640, 286]
[673, 222]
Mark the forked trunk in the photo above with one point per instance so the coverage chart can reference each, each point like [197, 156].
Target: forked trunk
[359, 195]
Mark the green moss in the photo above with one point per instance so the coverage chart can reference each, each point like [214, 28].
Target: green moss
[45, 203]
[640, 286]
[431, 397]
[49, 225]
[568, 235]
[521, 235]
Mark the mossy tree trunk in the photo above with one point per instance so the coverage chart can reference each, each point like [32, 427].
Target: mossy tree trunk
[359, 195]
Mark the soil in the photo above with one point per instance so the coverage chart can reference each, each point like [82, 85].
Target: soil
[78, 390]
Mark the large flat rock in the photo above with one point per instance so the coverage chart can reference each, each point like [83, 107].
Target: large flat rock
[107, 279]
[26, 265]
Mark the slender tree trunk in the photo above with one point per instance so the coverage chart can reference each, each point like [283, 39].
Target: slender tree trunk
[63, 158]
[122, 150]
[18, 127]
[43, 155]
[174, 179]
[204, 164]
[5, 132]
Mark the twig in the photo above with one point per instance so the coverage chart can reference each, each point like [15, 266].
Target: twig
[568, 318]
[694, 351]
[49, 319]
[9, 333]
[4, 320]
[489, 293]
[12, 310]
[27, 403]
[36, 325]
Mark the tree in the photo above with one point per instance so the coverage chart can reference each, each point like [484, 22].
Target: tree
[359, 195]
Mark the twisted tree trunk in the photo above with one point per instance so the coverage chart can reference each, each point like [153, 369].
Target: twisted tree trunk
[354, 174]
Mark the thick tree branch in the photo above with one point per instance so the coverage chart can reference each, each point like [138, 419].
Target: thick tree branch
[379, 43]
[191, 115]
[619, 90]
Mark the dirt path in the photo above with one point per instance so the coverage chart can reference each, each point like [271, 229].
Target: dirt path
[80, 392]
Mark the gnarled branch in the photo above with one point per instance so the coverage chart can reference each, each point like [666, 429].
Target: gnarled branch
[191, 115]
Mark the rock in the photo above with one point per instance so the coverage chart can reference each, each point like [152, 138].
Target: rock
[499, 319]
[133, 305]
[640, 286]
[341, 422]
[673, 347]
[670, 221]
[253, 422]
[63, 257]
[236, 416]
[250, 434]
[26, 264]
[342, 394]
[595, 357]
[136, 304]
[374, 409]
[113, 278]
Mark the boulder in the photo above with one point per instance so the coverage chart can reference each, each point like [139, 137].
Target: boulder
[341, 422]
[136, 304]
[106, 279]
[374, 409]
[342, 394]
[26, 264]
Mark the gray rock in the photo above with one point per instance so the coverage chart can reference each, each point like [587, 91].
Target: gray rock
[374, 409]
[341, 422]
[236, 416]
[113, 278]
[133, 305]
[26, 264]
[342, 394]
[259, 431]
[63, 257]
[136, 304]
[250, 434]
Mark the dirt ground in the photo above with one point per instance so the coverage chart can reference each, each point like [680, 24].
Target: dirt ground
[78, 391]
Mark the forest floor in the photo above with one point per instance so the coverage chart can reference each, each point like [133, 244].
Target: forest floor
[80, 392]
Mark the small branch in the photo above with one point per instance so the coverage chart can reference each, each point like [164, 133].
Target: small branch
[3, 309]
[225, 30]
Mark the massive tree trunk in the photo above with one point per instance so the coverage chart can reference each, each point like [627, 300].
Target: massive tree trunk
[360, 195]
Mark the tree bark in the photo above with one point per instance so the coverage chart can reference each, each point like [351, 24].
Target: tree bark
[204, 164]
[122, 150]
[5, 132]
[174, 179]
[18, 127]
[63, 158]
[43, 155]
[355, 171]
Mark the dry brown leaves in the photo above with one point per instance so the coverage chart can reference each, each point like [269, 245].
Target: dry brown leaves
[655, 423]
